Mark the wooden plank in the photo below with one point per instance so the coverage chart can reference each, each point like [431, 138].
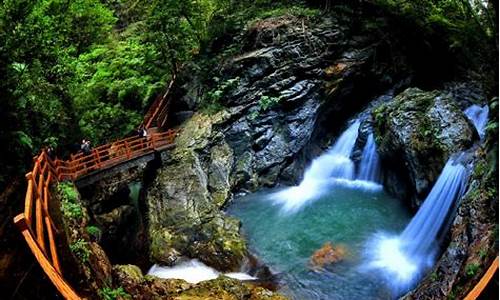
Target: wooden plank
[46, 207]
[481, 285]
[52, 244]
[28, 201]
[62, 286]
[127, 149]
[39, 218]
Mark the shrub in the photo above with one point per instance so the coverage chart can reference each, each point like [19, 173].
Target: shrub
[69, 203]
[80, 249]
[94, 232]
[471, 269]
[267, 102]
[108, 293]
[212, 103]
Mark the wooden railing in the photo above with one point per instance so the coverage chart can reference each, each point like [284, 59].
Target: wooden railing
[156, 116]
[36, 224]
[111, 154]
[481, 285]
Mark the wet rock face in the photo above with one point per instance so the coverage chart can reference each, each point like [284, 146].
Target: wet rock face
[185, 198]
[139, 286]
[416, 134]
[294, 82]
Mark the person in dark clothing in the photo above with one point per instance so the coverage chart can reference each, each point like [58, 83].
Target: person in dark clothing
[51, 153]
[142, 132]
[85, 147]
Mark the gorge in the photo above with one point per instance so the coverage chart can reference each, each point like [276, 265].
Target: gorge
[311, 151]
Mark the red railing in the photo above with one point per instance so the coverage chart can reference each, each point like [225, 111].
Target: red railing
[156, 116]
[36, 224]
[111, 154]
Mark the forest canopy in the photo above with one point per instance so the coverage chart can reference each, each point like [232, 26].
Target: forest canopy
[90, 68]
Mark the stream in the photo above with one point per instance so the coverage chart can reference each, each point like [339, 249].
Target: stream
[345, 215]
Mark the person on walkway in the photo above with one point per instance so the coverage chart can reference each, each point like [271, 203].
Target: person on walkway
[142, 132]
[51, 152]
[85, 147]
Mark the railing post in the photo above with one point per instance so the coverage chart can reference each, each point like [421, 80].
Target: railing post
[97, 158]
[153, 139]
[127, 149]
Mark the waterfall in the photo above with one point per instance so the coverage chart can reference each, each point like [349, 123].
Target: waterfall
[478, 116]
[335, 163]
[403, 259]
[369, 168]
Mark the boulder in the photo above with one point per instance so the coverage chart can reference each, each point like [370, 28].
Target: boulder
[416, 133]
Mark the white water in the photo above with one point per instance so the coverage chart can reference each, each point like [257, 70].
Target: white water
[478, 116]
[369, 168]
[403, 259]
[193, 271]
[335, 163]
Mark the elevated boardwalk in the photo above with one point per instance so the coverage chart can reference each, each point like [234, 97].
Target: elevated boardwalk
[35, 222]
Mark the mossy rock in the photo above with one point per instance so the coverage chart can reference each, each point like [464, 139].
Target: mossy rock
[417, 132]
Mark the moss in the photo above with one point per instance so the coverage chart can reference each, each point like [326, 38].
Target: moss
[94, 232]
[472, 269]
[266, 102]
[70, 206]
[162, 241]
[81, 249]
[434, 276]
[131, 271]
[108, 293]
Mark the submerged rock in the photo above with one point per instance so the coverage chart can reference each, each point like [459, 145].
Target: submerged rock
[416, 133]
[327, 255]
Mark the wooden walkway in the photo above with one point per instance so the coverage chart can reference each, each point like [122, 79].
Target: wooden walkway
[36, 224]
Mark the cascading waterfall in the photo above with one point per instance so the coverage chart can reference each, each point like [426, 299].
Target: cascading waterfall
[478, 116]
[403, 259]
[335, 163]
[369, 168]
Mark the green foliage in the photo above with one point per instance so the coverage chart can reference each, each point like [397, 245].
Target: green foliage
[468, 27]
[94, 232]
[379, 115]
[266, 102]
[483, 253]
[294, 10]
[108, 293]
[471, 269]
[434, 276]
[38, 40]
[70, 206]
[81, 249]
[212, 101]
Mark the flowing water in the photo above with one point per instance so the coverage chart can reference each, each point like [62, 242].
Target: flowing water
[369, 168]
[193, 271]
[478, 116]
[333, 164]
[344, 215]
[402, 259]
[383, 253]
[385, 258]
